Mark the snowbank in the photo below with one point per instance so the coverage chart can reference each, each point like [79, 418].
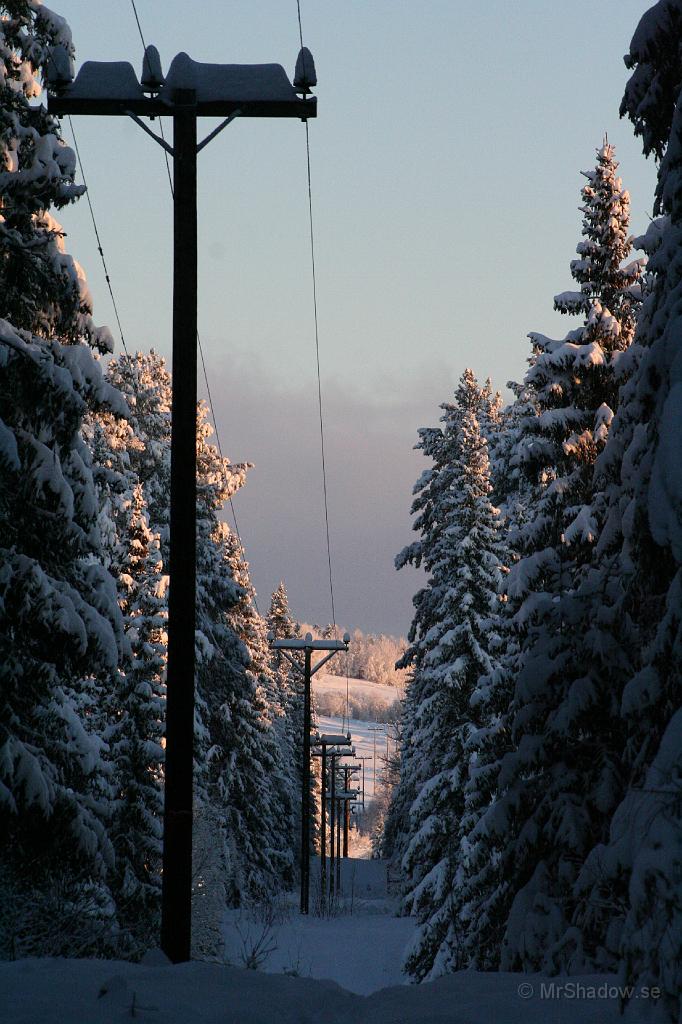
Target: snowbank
[101, 992]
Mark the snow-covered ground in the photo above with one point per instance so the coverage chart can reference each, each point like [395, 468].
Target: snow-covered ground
[360, 946]
[343, 969]
[103, 992]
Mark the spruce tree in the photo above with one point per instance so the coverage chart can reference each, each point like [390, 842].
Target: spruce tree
[61, 632]
[289, 682]
[460, 550]
[135, 733]
[241, 768]
[43, 288]
[635, 871]
[559, 779]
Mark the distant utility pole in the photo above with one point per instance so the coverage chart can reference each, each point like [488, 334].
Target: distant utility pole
[374, 729]
[363, 758]
[307, 645]
[323, 742]
[189, 91]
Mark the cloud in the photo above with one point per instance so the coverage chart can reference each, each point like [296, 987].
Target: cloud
[370, 431]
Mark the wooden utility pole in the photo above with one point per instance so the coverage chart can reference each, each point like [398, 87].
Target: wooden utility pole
[323, 826]
[363, 758]
[346, 810]
[190, 90]
[305, 789]
[176, 909]
[332, 826]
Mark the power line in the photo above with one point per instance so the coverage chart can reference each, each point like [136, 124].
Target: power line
[201, 348]
[319, 378]
[99, 242]
[139, 27]
[300, 29]
[317, 345]
[319, 381]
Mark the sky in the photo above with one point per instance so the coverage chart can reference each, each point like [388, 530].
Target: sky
[446, 162]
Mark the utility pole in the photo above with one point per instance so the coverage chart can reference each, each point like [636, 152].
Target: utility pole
[363, 758]
[346, 808]
[374, 729]
[323, 828]
[333, 887]
[189, 91]
[307, 645]
[338, 845]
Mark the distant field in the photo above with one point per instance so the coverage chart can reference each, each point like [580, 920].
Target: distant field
[367, 701]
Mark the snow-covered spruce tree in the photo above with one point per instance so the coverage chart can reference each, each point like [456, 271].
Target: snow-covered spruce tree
[232, 708]
[43, 288]
[460, 549]
[428, 523]
[133, 710]
[394, 830]
[282, 797]
[575, 380]
[557, 783]
[144, 440]
[244, 776]
[135, 732]
[61, 632]
[636, 872]
[289, 684]
[492, 417]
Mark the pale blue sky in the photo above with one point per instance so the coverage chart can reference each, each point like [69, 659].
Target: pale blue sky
[446, 162]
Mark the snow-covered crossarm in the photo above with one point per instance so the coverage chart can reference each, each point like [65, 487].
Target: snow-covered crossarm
[112, 87]
[334, 740]
[313, 645]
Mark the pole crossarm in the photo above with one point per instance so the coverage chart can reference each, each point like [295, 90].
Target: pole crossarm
[308, 644]
[313, 645]
[222, 90]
